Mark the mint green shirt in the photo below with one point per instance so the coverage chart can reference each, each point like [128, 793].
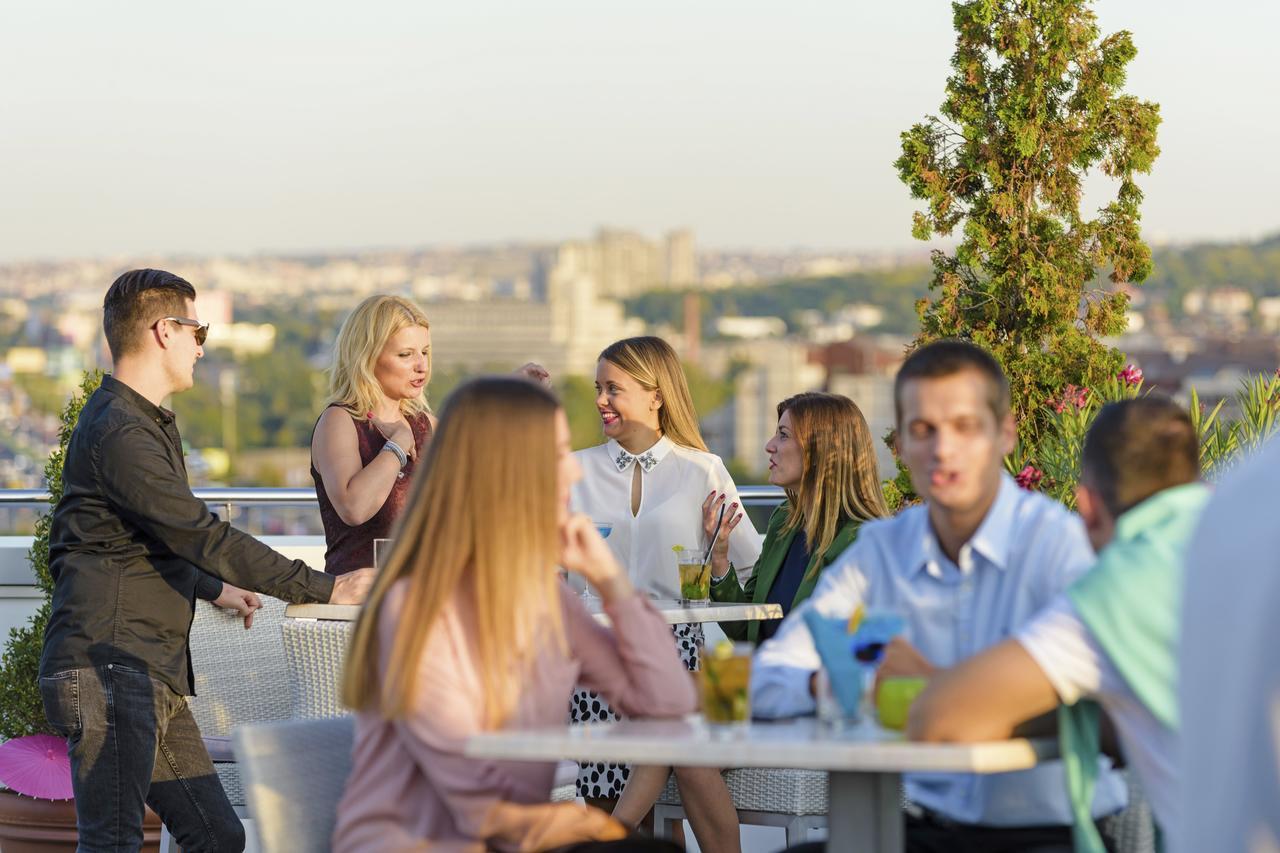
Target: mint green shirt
[1131, 603]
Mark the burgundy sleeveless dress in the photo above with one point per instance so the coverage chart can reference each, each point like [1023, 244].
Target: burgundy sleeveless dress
[349, 548]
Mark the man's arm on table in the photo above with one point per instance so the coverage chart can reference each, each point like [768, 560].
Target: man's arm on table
[1012, 688]
[141, 481]
[984, 698]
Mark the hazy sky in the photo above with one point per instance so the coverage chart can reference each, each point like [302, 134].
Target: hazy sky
[140, 127]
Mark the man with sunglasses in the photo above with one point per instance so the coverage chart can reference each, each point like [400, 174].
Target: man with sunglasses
[130, 549]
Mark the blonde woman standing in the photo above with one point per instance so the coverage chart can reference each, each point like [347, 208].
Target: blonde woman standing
[648, 480]
[469, 629]
[366, 443]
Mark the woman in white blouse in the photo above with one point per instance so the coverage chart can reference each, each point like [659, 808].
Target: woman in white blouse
[649, 481]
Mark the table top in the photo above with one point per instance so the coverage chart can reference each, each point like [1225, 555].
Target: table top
[674, 612]
[799, 743]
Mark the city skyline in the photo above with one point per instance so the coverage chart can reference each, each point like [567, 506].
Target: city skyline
[153, 129]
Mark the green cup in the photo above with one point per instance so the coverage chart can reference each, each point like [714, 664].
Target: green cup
[895, 698]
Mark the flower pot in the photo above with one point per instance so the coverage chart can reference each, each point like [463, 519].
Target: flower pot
[28, 825]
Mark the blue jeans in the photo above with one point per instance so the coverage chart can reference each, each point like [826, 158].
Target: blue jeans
[132, 740]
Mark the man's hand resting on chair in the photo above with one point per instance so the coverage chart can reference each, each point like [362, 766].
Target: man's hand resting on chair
[242, 601]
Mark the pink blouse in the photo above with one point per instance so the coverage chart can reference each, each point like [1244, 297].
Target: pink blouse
[410, 781]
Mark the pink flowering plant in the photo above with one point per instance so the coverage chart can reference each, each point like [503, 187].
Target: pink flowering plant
[1052, 466]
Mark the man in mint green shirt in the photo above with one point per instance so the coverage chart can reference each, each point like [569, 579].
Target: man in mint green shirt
[1112, 636]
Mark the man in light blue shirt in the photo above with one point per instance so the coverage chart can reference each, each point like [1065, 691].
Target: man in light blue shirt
[965, 569]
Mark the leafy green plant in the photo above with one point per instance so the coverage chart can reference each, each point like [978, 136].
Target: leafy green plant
[1033, 103]
[21, 711]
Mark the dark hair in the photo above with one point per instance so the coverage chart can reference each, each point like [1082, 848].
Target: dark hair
[1136, 448]
[947, 358]
[135, 301]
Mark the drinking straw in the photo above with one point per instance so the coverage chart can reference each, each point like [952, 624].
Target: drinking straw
[714, 536]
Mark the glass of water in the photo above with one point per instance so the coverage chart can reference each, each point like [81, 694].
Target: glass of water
[381, 552]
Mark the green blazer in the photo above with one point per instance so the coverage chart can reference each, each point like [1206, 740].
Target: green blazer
[772, 555]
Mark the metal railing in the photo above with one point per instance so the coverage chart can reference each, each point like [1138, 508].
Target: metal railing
[761, 498]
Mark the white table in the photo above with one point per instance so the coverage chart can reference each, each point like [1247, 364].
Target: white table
[674, 612]
[865, 763]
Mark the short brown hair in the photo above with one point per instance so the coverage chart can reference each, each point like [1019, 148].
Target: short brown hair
[1136, 448]
[947, 358]
[135, 301]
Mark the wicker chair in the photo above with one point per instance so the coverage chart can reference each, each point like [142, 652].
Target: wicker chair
[314, 651]
[795, 800]
[294, 774]
[1132, 830]
[239, 676]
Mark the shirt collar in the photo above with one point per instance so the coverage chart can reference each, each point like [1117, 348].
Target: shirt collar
[991, 541]
[1164, 507]
[649, 459]
[150, 409]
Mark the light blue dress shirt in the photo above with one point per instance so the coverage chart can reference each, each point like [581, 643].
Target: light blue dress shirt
[1027, 550]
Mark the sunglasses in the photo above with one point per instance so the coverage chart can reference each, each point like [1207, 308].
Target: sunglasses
[202, 329]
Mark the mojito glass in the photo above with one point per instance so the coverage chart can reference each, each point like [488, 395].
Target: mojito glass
[725, 680]
[694, 576]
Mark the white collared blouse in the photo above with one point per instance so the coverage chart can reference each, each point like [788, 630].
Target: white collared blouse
[675, 480]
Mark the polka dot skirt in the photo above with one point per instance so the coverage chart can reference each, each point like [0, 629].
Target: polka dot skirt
[601, 779]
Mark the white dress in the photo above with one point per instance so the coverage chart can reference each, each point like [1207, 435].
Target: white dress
[675, 480]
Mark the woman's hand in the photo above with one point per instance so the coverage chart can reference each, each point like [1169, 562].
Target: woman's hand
[583, 550]
[401, 433]
[536, 372]
[710, 513]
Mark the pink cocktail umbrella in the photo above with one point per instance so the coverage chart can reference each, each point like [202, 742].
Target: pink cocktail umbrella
[38, 766]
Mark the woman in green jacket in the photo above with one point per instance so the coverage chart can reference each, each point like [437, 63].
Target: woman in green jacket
[822, 456]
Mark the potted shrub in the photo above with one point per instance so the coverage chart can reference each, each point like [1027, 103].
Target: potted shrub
[28, 823]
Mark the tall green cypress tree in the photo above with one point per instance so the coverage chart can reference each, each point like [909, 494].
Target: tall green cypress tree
[21, 710]
[1034, 102]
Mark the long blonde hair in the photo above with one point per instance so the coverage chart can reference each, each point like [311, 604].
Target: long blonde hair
[839, 479]
[654, 364]
[364, 333]
[481, 524]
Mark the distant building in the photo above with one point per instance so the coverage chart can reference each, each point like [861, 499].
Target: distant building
[751, 327]
[243, 339]
[624, 263]
[1269, 314]
[565, 332]
[775, 369]
[682, 258]
[28, 360]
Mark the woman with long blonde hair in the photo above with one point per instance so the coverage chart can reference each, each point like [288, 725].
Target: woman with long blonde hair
[648, 481]
[470, 629]
[366, 443]
[823, 456]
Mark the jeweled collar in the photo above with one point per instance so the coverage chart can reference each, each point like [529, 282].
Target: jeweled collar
[649, 459]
